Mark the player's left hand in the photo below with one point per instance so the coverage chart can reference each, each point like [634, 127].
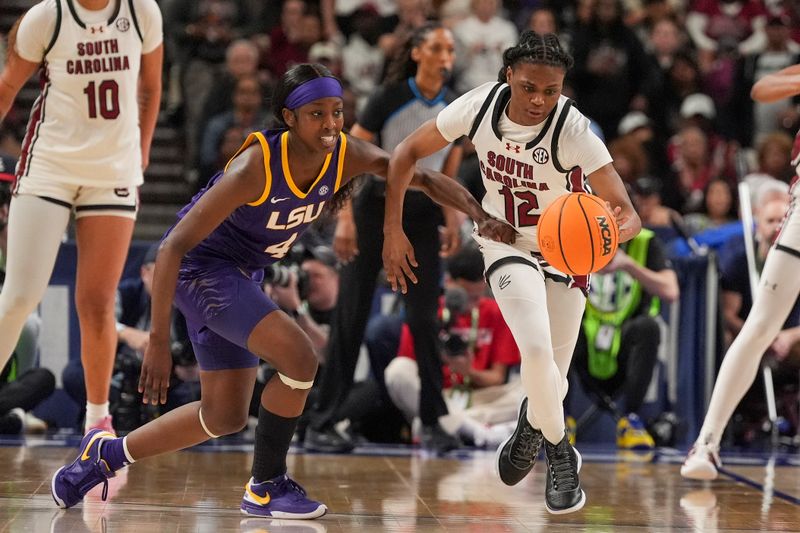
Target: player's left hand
[497, 230]
[626, 233]
[450, 234]
[398, 260]
[156, 371]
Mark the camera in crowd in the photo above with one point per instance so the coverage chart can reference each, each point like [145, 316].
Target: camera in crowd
[456, 302]
[280, 274]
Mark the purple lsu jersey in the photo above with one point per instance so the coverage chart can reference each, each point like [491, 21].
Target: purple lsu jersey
[262, 232]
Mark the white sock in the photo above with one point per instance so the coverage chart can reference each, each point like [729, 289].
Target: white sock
[130, 459]
[95, 412]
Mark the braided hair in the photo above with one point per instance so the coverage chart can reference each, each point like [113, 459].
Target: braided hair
[403, 66]
[536, 49]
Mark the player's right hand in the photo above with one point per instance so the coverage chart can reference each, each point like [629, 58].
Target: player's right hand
[497, 230]
[398, 260]
[345, 243]
[156, 371]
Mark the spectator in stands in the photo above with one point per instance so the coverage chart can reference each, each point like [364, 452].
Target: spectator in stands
[768, 211]
[362, 58]
[411, 14]
[646, 194]
[617, 349]
[481, 39]
[287, 42]
[754, 120]
[611, 67]
[713, 23]
[327, 53]
[477, 352]
[241, 59]
[664, 41]
[133, 334]
[719, 207]
[630, 159]
[680, 80]
[639, 128]
[201, 33]
[228, 145]
[248, 114]
[693, 165]
[774, 156]
[22, 385]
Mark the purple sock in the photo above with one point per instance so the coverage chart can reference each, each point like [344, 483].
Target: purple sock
[113, 453]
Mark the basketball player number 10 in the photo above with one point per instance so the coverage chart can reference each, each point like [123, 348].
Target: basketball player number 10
[521, 216]
[106, 95]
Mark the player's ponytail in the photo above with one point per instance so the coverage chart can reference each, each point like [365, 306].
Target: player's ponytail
[293, 78]
[343, 195]
[536, 49]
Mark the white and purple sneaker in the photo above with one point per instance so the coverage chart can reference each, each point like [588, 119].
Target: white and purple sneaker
[280, 497]
[71, 483]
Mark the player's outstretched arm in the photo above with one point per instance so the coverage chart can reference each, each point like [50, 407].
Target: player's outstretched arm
[446, 191]
[398, 254]
[423, 142]
[778, 85]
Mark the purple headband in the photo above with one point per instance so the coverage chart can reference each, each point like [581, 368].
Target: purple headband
[311, 90]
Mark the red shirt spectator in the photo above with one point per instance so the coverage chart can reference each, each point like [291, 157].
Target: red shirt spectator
[493, 342]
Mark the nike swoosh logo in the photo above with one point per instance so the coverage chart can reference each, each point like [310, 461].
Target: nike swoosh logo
[100, 435]
[260, 500]
[276, 200]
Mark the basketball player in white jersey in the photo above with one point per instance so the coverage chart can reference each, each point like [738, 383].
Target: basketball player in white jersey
[533, 146]
[777, 292]
[87, 143]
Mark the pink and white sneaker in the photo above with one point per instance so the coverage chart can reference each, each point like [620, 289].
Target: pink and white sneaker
[702, 462]
[104, 424]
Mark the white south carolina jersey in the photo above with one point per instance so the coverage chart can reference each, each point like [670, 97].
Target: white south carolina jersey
[524, 168]
[84, 127]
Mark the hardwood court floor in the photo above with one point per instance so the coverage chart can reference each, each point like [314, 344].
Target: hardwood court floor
[399, 490]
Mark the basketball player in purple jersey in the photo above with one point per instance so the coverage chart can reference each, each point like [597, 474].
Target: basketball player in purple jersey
[776, 294]
[534, 146]
[210, 265]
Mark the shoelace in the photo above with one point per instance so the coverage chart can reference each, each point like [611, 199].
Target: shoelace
[294, 486]
[563, 474]
[526, 447]
[96, 470]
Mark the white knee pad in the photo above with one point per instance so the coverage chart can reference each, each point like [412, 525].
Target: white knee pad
[203, 423]
[294, 384]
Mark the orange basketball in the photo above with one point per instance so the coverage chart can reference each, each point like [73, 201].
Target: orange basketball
[577, 234]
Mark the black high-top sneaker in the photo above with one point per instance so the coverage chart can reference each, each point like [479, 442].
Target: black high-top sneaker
[563, 493]
[517, 454]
